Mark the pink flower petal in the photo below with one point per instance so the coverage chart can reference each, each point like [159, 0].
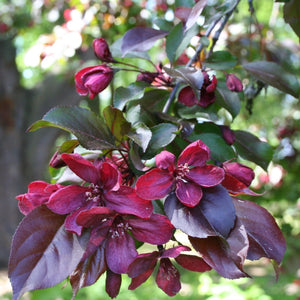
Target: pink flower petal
[165, 160]
[156, 230]
[126, 201]
[67, 199]
[206, 176]
[143, 263]
[120, 252]
[81, 167]
[174, 252]
[94, 215]
[239, 171]
[109, 177]
[187, 97]
[196, 154]
[188, 193]
[155, 184]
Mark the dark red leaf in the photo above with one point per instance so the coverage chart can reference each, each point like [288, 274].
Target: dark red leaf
[266, 239]
[88, 271]
[226, 257]
[43, 253]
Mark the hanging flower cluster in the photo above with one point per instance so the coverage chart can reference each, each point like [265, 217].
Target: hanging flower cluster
[146, 183]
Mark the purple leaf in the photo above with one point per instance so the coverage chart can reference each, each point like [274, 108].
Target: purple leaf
[226, 257]
[265, 237]
[140, 39]
[43, 253]
[88, 271]
[194, 14]
[190, 220]
[218, 209]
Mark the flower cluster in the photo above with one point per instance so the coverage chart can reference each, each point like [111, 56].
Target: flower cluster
[97, 220]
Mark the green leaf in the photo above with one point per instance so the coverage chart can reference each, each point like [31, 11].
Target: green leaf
[227, 99]
[221, 60]
[162, 135]
[141, 135]
[220, 151]
[132, 92]
[291, 14]
[253, 149]
[90, 130]
[274, 75]
[173, 41]
[68, 146]
[187, 39]
[211, 135]
[116, 122]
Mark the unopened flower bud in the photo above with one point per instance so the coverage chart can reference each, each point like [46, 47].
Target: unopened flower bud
[93, 80]
[228, 134]
[101, 50]
[233, 83]
[56, 161]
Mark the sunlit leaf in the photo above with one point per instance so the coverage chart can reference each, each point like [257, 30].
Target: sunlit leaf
[116, 122]
[90, 130]
[141, 135]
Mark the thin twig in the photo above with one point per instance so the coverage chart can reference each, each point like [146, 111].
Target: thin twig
[221, 28]
[190, 62]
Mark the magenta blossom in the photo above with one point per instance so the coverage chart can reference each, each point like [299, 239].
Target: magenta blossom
[168, 277]
[112, 230]
[38, 194]
[104, 189]
[93, 80]
[187, 177]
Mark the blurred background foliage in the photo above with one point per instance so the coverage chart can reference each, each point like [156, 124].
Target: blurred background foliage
[55, 37]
